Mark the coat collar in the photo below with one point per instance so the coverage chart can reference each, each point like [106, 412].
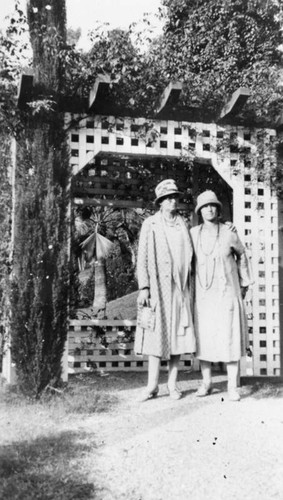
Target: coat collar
[159, 228]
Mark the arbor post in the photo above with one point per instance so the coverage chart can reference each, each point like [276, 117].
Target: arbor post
[8, 367]
[64, 362]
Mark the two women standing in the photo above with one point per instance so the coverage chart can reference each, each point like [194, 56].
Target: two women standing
[167, 258]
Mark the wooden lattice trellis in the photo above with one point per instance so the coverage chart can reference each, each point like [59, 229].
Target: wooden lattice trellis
[113, 164]
[255, 206]
[88, 352]
[129, 180]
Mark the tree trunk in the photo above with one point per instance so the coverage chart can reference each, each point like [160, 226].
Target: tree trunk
[41, 267]
[100, 291]
[47, 26]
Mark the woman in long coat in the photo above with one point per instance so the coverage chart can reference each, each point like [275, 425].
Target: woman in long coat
[222, 278]
[163, 269]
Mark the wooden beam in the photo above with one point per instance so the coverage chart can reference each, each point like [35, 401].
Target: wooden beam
[235, 104]
[99, 90]
[139, 156]
[101, 322]
[96, 202]
[112, 191]
[25, 90]
[170, 96]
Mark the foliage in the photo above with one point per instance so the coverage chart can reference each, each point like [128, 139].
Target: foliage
[13, 53]
[73, 36]
[120, 273]
[14, 56]
[5, 230]
[85, 291]
[121, 227]
[39, 295]
[214, 47]
[136, 74]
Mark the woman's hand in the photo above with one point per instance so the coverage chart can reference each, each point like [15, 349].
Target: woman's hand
[231, 226]
[143, 297]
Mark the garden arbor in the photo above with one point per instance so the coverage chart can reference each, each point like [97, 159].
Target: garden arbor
[117, 160]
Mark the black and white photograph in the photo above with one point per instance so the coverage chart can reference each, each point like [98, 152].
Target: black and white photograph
[141, 249]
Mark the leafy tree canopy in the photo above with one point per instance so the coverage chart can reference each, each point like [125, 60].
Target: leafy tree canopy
[213, 47]
[216, 47]
[14, 57]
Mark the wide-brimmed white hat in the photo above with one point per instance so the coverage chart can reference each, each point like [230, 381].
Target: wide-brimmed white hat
[164, 188]
[207, 198]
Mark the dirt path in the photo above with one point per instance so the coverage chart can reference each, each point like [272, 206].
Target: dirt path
[204, 449]
[199, 449]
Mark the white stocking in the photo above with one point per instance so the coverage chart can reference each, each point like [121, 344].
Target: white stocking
[153, 372]
[206, 372]
[173, 372]
[232, 371]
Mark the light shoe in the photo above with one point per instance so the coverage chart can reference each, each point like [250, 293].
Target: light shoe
[147, 394]
[204, 390]
[233, 395]
[175, 393]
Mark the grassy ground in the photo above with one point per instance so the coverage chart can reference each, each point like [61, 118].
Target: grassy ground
[91, 440]
[43, 447]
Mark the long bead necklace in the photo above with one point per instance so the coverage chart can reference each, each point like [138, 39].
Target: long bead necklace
[214, 245]
[209, 284]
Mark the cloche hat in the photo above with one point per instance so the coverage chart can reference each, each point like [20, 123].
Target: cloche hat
[207, 198]
[164, 188]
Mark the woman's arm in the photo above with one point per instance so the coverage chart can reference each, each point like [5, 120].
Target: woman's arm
[142, 265]
[243, 263]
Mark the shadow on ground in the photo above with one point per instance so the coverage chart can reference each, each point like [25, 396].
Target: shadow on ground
[45, 468]
[114, 382]
[120, 381]
[260, 390]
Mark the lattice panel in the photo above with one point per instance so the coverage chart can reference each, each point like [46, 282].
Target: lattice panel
[236, 154]
[130, 178]
[86, 351]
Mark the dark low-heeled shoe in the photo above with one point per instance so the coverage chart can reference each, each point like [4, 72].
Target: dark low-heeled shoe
[204, 390]
[147, 394]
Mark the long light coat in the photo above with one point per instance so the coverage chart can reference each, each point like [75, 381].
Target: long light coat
[155, 271]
